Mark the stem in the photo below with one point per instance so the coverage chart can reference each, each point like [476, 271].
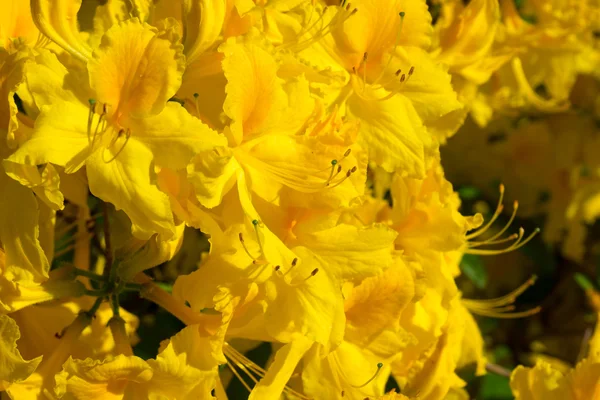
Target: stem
[119, 333]
[89, 274]
[498, 370]
[51, 364]
[157, 295]
[108, 247]
[92, 311]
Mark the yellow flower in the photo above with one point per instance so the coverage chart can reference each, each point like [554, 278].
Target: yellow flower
[358, 368]
[544, 382]
[389, 82]
[16, 24]
[283, 146]
[126, 129]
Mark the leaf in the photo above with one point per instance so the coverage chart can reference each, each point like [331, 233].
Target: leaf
[473, 268]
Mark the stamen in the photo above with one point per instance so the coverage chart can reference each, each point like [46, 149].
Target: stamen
[364, 62]
[91, 118]
[237, 359]
[196, 95]
[342, 14]
[255, 223]
[254, 260]
[114, 141]
[396, 42]
[313, 273]
[542, 104]
[502, 307]
[307, 180]
[495, 216]
[379, 366]
[515, 246]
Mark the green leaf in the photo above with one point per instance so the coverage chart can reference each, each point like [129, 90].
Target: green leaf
[469, 193]
[473, 268]
[495, 387]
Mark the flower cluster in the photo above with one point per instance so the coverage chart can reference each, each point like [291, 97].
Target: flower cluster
[303, 139]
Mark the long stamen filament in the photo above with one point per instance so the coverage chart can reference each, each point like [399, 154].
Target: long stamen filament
[497, 213]
[379, 366]
[503, 306]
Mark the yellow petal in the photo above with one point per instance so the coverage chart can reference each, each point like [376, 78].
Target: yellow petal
[203, 21]
[19, 232]
[393, 133]
[212, 174]
[534, 383]
[303, 304]
[255, 97]
[174, 136]
[16, 22]
[135, 70]
[60, 141]
[350, 253]
[126, 182]
[13, 368]
[279, 372]
[184, 368]
[377, 303]
[109, 379]
[347, 369]
[57, 19]
[154, 252]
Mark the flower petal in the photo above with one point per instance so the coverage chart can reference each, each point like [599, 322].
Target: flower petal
[13, 368]
[135, 70]
[174, 136]
[127, 183]
[57, 19]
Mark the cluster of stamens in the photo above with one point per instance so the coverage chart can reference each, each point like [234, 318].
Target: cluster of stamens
[319, 29]
[401, 78]
[304, 180]
[236, 360]
[502, 307]
[518, 239]
[261, 260]
[97, 125]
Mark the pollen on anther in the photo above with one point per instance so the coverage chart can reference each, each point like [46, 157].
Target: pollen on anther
[347, 153]
[294, 262]
[314, 272]
[277, 267]
[411, 70]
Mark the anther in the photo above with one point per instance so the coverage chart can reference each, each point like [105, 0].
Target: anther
[314, 272]
[294, 262]
[347, 153]
[398, 72]
[402, 78]
[411, 70]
